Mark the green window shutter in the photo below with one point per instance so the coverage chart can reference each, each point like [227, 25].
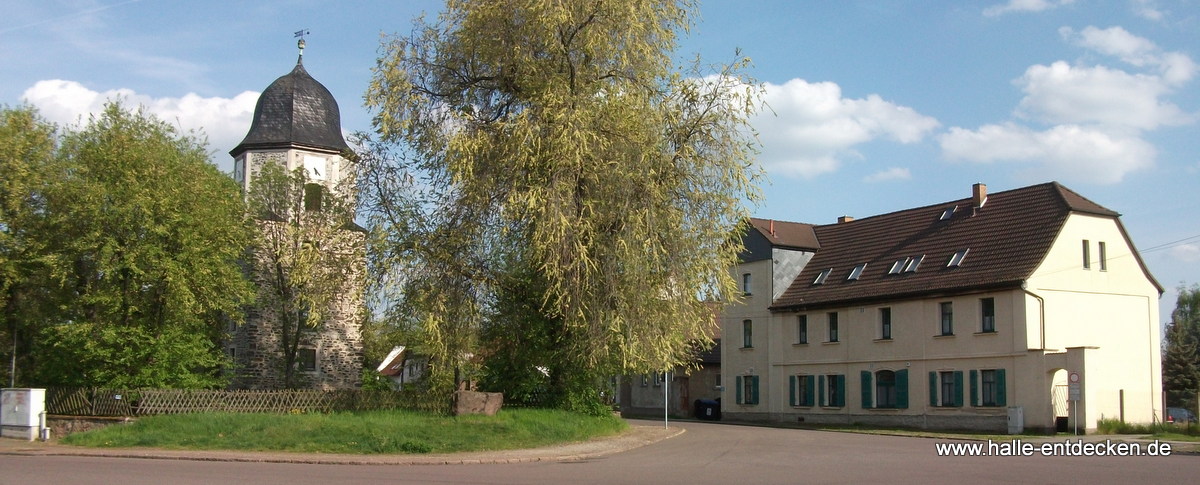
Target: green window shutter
[865, 377]
[974, 388]
[821, 389]
[933, 390]
[753, 390]
[841, 391]
[1000, 388]
[791, 390]
[737, 386]
[902, 389]
[958, 388]
[810, 390]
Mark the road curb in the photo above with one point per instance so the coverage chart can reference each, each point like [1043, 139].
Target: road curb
[636, 437]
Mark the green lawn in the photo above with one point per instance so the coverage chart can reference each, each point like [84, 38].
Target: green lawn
[359, 433]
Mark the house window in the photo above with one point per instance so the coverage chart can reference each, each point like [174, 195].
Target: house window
[947, 314]
[885, 323]
[890, 389]
[990, 389]
[803, 390]
[821, 277]
[645, 380]
[658, 379]
[957, 259]
[745, 283]
[945, 388]
[833, 326]
[306, 360]
[987, 387]
[802, 329]
[914, 263]
[987, 317]
[857, 272]
[312, 197]
[717, 382]
[885, 389]
[832, 390]
[1103, 257]
[746, 389]
[1087, 256]
[747, 334]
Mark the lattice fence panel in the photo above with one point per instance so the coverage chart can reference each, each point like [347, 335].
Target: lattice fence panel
[145, 402]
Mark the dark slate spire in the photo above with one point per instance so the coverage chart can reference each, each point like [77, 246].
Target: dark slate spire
[295, 111]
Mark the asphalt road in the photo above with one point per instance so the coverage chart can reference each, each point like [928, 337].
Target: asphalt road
[706, 453]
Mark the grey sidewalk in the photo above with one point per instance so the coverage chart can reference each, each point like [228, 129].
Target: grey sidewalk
[637, 436]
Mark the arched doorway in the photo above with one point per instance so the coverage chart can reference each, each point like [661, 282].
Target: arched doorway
[1058, 400]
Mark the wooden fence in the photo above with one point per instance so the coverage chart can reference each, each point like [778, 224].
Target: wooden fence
[145, 402]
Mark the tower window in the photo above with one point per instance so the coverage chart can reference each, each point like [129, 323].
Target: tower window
[313, 193]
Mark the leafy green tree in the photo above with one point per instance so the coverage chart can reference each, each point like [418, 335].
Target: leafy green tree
[1181, 354]
[306, 255]
[28, 172]
[142, 238]
[562, 133]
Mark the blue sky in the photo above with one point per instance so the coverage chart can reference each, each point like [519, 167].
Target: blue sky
[876, 105]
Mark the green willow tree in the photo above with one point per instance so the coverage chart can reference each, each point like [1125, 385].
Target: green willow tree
[305, 254]
[1181, 350]
[141, 239]
[27, 174]
[561, 135]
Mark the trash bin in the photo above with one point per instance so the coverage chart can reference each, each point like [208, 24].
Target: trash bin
[708, 409]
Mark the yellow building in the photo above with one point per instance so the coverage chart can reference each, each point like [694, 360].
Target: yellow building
[970, 314]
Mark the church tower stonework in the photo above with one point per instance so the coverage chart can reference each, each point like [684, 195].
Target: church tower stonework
[296, 125]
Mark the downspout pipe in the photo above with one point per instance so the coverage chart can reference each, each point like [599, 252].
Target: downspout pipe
[1041, 312]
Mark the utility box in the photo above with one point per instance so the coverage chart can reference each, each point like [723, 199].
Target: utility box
[1016, 420]
[21, 413]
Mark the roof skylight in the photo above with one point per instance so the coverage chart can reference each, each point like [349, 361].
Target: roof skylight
[856, 272]
[913, 264]
[957, 259]
[948, 213]
[821, 277]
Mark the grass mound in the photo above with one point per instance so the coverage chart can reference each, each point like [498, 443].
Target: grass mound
[375, 432]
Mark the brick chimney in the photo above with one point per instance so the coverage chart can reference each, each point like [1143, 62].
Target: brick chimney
[845, 219]
[979, 195]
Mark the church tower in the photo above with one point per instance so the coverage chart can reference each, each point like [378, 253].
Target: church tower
[297, 125]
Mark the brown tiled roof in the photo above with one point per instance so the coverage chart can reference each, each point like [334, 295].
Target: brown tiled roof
[787, 234]
[1006, 240]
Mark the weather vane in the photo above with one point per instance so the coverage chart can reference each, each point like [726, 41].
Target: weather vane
[301, 33]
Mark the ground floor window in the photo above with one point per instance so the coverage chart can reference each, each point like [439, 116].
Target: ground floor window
[988, 388]
[885, 389]
[803, 390]
[945, 388]
[306, 360]
[746, 389]
[832, 390]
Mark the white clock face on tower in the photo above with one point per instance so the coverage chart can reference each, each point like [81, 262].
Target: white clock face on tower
[314, 167]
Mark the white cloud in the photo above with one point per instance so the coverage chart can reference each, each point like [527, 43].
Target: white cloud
[1061, 93]
[1176, 68]
[1147, 9]
[1093, 117]
[1024, 6]
[1188, 253]
[894, 173]
[809, 127]
[224, 120]
[1062, 152]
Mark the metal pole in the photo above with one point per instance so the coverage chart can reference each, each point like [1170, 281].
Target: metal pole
[666, 392]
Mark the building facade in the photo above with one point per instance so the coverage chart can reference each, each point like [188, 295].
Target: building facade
[952, 316]
[296, 125]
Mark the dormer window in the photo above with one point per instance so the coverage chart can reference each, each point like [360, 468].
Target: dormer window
[821, 277]
[898, 266]
[948, 213]
[856, 272]
[913, 263]
[957, 259]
